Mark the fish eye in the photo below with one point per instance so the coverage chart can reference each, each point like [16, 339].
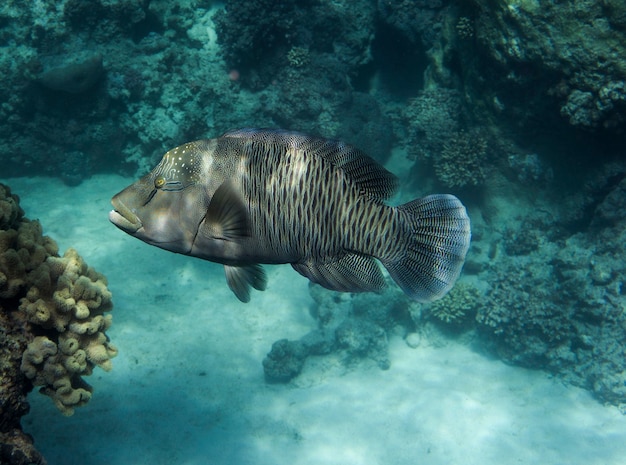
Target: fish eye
[159, 182]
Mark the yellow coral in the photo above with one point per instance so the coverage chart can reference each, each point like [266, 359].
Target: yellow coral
[39, 312]
[39, 349]
[77, 362]
[65, 298]
[100, 352]
[60, 297]
[66, 397]
[70, 298]
[68, 344]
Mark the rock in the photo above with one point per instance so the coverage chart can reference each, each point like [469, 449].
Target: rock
[413, 340]
[284, 361]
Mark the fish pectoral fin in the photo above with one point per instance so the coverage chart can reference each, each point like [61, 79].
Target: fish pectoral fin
[350, 273]
[226, 216]
[241, 278]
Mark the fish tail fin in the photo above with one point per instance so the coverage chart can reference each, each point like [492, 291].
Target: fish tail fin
[429, 258]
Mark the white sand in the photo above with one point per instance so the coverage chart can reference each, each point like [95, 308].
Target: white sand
[188, 388]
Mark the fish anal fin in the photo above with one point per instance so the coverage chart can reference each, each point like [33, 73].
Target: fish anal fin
[226, 216]
[241, 278]
[349, 273]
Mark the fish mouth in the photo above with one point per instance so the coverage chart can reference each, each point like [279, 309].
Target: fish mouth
[123, 217]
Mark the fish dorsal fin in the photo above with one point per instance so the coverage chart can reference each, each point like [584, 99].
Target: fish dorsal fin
[350, 273]
[226, 217]
[241, 278]
[365, 172]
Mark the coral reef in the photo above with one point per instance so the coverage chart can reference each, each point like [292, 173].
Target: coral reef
[164, 78]
[258, 37]
[52, 325]
[436, 139]
[462, 161]
[544, 63]
[433, 116]
[458, 308]
[356, 326]
[557, 303]
[410, 39]
[545, 88]
[323, 67]
[255, 34]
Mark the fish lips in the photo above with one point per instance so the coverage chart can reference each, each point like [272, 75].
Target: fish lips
[123, 217]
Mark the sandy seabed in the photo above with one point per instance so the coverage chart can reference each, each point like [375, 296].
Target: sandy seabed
[187, 386]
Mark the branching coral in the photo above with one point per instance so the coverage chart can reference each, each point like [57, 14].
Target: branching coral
[433, 116]
[458, 307]
[461, 162]
[298, 56]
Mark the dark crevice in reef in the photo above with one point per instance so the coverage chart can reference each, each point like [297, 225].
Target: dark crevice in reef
[399, 62]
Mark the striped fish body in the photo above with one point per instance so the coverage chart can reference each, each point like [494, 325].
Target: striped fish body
[257, 196]
[301, 208]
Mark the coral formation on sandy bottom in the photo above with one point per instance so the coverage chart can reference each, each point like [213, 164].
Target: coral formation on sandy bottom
[560, 304]
[353, 325]
[53, 323]
[67, 299]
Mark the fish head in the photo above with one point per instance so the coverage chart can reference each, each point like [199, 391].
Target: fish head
[165, 207]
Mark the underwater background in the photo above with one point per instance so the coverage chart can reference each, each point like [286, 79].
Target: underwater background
[517, 107]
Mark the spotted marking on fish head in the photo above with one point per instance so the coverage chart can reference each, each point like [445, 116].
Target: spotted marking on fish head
[180, 167]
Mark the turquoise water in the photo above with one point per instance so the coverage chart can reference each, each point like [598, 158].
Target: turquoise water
[515, 107]
[187, 386]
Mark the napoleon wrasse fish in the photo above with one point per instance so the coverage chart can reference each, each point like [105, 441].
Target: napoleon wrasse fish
[258, 196]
